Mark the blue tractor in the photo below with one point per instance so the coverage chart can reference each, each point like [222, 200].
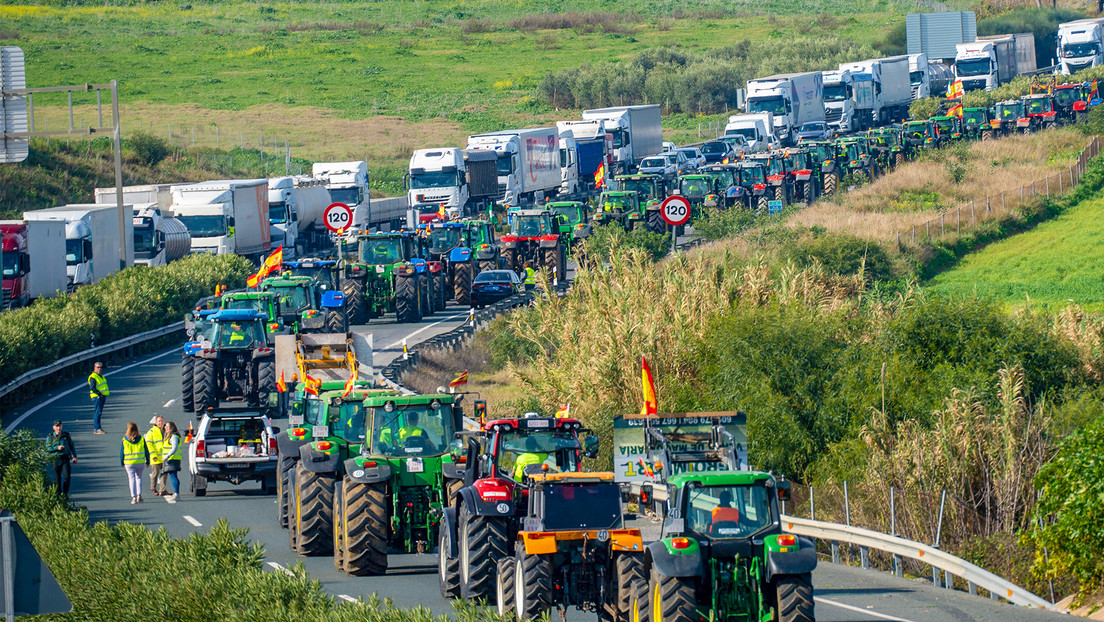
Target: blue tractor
[227, 358]
[450, 244]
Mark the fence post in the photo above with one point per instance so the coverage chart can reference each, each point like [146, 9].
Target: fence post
[927, 227]
[959, 225]
[914, 234]
[1033, 193]
[1004, 207]
[973, 218]
[897, 567]
[216, 137]
[942, 225]
[1021, 194]
[1061, 184]
[1048, 186]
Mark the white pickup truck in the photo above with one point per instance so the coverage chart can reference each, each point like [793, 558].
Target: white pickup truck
[236, 446]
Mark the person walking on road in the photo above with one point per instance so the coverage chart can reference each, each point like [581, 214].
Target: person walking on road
[171, 455]
[154, 438]
[59, 445]
[134, 455]
[98, 391]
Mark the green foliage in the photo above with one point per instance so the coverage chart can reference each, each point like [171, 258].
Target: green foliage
[716, 224]
[611, 240]
[148, 149]
[1042, 22]
[844, 255]
[507, 345]
[925, 108]
[128, 302]
[1069, 517]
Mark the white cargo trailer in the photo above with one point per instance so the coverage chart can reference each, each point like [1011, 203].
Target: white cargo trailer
[92, 239]
[226, 216]
[528, 162]
[793, 99]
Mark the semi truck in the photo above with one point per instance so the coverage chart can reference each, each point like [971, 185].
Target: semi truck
[793, 99]
[919, 76]
[637, 133]
[158, 238]
[528, 163]
[756, 128]
[593, 147]
[569, 166]
[1080, 45]
[839, 100]
[295, 209]
[348, 184]
[92, 240]
[992, 61]
[33, 260]
[226, 216]
[463, 181]
[891, 93]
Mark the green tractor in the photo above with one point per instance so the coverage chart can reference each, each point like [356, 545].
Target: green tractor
[977, 123]
[387, 273]
[652, 190]
[699, 189]
[616, 207]
[855, 158]
[887, 147]
[487, 251]
[378, 480]
[949, 128]
[264, 302]
[825, 161]
[921, 135]
[573, 218]
[305, 305]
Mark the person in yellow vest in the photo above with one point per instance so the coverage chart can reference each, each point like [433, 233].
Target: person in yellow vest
[530, 276]
[410, 429]
[98, 392]
[525, 460]
[171, 455]
[134, 455]
[154, 438]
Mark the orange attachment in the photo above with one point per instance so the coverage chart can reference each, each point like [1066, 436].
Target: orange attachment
[544, 542]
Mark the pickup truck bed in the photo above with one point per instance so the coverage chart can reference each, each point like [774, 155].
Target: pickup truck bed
[233, 448]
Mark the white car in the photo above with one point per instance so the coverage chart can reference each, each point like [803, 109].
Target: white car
[668, 146]
[694, 157]
[668, 165]
[234, 445]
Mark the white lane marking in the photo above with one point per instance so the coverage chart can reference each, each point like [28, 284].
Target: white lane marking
[21, 418]
[193, 521]
[172, 401]
[425, 328]
[347, 597]
[281, 568]
[873, 614]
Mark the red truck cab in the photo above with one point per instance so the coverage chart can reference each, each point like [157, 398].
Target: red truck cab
[16, 264]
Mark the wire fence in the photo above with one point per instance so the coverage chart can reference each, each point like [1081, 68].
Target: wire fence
[969, 215]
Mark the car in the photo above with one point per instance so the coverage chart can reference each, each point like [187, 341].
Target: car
[738, 142]
[718, 152]
[234, 445]
[666, 165]
[694, 156]
[813, 130]
[668, 146]
[494, 285]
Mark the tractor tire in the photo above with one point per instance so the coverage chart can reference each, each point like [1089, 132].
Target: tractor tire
[266, 381]
[510, 260]
[640, 609]
[187, 371]
[629, 571]
[1080, 117]
[830, 183]
[533, 587]
[452, 487]
[448, 567]
[488, 265]
[655, 221]
[808, 196]
[338, 532]
[293, 537]
[313, 511]
[425, 292]
[407, 308]
[363, 527]
[673, 599]
[780, 195]
[335, 321]
[795, 598]
[440, 291]
[505, 588]
[462, 283]
[355, 304]
[204, 391]
[483, 539]
[859, 176]
[898, 159]
[283, 494]
[561, 266]
[761, 207]
[985, 136]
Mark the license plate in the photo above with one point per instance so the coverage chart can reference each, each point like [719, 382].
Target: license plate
[320, 431]
[414, 465]
[233, 465]
[295, 420]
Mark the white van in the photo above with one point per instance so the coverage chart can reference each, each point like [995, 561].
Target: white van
[755, 127]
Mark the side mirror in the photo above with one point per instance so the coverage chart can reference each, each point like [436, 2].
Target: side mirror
[456, 449]
[783, 490]
[230, 221]
[275, 429]
[590, 447]
[87, 247]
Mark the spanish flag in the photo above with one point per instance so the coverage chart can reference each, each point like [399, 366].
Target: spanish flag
[955, 90]
[459, 380]
[1093, 90]
[271, 263]
[564, 412]
[651, 406]
[218, 290]
[955, 110]
[349, 384]
[281, 386]
[600, 175]
[312, 385]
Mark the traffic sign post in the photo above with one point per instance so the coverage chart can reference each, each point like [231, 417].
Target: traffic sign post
[675, 210]
[337, 217]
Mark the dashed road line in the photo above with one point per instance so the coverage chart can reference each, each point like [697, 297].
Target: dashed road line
[347, 598]
[873, 614]
[281, 568]
[193, 521]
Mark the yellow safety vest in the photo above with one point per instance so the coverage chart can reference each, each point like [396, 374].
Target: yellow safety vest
[525, 460]
[167, 446]
[101, 385]
[154, 439]
[407, 431]
[530, 276]
[134, 453]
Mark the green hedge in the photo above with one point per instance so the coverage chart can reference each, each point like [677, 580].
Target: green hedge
[131, 301]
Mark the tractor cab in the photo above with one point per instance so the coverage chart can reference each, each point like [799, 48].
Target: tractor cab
[949, 127]
[649, 188]
[1006, 114]
[1039, 110]
[301, 302]
[321, 270]
[976, 123]
[698, 189]
[921, 134]
[572, 217]
[615, 206]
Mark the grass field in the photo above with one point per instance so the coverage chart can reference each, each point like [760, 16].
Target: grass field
[1058, 261]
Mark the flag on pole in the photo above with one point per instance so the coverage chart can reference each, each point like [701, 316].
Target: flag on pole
[1092, 90]
[955, 90]
[600, 175]
[349, 384]
[312, 385]
[271, 263]
[644, 468]
[651, 406]
[459, 380]
[564, 412]
[281, 386]
[955, 110]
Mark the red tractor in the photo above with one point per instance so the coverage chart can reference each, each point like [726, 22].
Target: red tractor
[484, 516]
[534, 239]
[1040, 113]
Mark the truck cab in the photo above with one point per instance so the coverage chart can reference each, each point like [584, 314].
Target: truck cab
[348, 184]
[438, 177]
[839, 100]
[16, 266]
[1080, 45]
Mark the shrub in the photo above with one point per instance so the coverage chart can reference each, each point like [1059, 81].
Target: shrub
[844, 255]
[925, 108]
[148, 149]
[609, 241]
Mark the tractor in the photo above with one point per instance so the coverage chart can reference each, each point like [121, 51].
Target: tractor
[699, 189]
[1071, 103]
[487, 251]
[615, 207]
[487, 511]
[573, 219]
[921, 135]
[752, 191]
[227, 358]
[798, 163]
[305, 305]
[825, 163]
[886, 147]
[976, 123]
[949, 127]
[1039, 111]
[855, 159]
[322, 270]
[651, 189]
[387, 274]
[726, 179]
[536, 240]
[263, 302]
[450, 244]
[775, 166]
[1006, 116]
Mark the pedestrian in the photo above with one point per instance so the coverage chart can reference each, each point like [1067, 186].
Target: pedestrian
[171, 454]
[59, 445]
[154, 438]
[98, 392]
[134, 456]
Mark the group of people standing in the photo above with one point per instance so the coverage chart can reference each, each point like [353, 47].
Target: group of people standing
[159, 448]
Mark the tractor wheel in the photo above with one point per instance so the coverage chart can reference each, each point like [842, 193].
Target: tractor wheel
[452, 487]
[406, 300]
[986, 136]
[1080, 117]
[505, 588]
[795, 598]
[509, 260]
[859, 176]
[440, 293]
[673, 599]
[629, 571]
[561, 266]
[338, 531]
[488, 265]
[363, 527]
[898, 159]
[313, 511]
[187, 400]
[266, 382]
[761, 207]
[355, 304]
[204, 391]
[639, 609]
[448, 567]
[462, 283]
[425, 290]
[548, 260]
[780, 195]
[533, 586]
[830, 183]
[335, 321]
[286, 465]
[293, 537]
[655, 221]
[807, 196]
[482, 541]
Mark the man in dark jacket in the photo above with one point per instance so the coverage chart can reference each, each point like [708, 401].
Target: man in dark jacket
[60, 447]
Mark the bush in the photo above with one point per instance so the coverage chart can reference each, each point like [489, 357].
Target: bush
[844, 255]
[608, 241]
[925, 108]
[148, 149]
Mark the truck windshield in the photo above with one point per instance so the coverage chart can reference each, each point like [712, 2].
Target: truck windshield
[205, 226]
[505, 164]
[74, 252]
[727, 511]
[835, 92]
[777, 105]
[412, 431]
[348, 196]
[972, 67]
[433, 179]
[145, 240]
[240, 334]
[277, 212]
[11, 264]
[915, 77]
[380, 251]
[1080, 50]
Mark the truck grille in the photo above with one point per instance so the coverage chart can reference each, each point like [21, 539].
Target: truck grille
[832, 115]
[7, 300]
[915, 91]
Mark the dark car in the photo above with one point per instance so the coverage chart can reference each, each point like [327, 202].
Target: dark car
[494, 285]
[718, 152]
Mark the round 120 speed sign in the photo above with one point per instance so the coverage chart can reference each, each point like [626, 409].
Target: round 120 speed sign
[337, 217]
[675, 210]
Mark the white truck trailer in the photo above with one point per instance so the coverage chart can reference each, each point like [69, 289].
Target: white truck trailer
[348, 184]
[92, 240]
[1080, 45]
[528, 162]
[892, 89]
[992, 61]
[34, 260]
[158, 237]
[793, 99]
[637, 132]
[295, 209]
[226, 216]
[464, 182]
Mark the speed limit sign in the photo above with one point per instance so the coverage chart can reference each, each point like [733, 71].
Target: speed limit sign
[675, 210]
[338, 217]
